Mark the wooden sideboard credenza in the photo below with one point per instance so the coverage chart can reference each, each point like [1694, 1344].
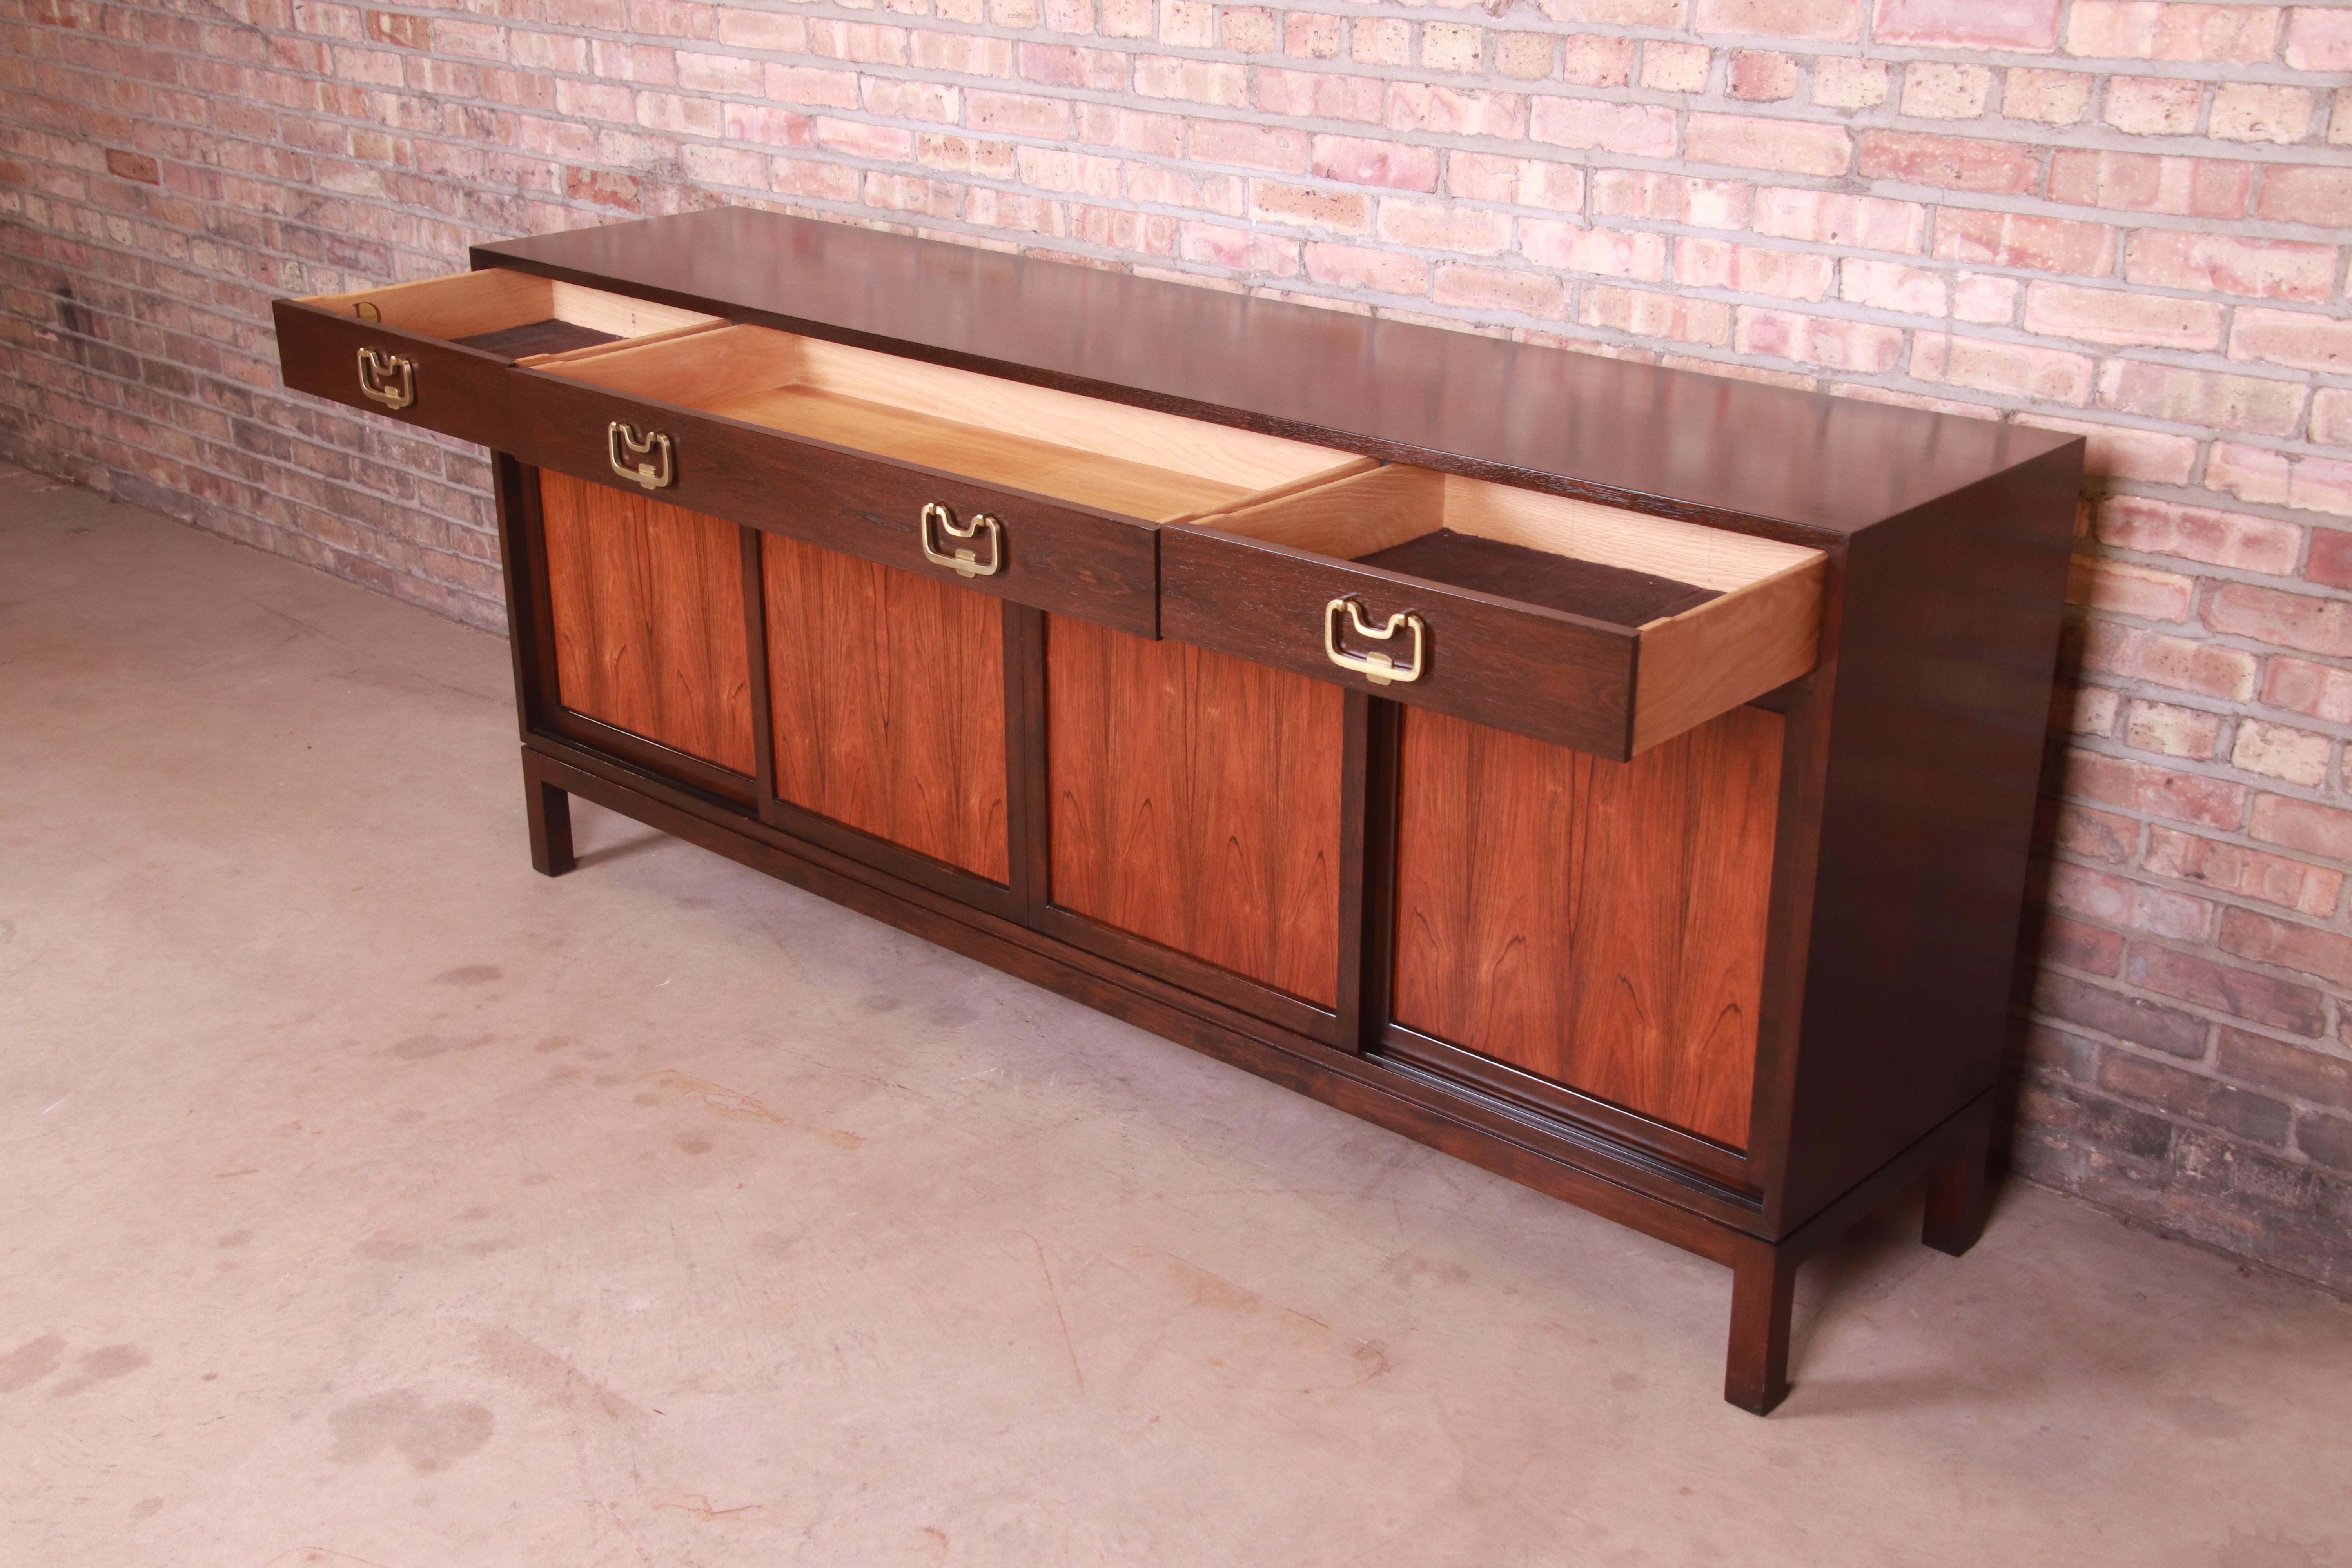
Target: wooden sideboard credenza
[1617, 777]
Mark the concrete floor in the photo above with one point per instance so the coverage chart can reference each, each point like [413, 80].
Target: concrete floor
[374, 1201]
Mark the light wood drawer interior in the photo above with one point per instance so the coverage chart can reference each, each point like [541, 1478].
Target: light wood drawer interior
[1721, 616]
[1157, 467]
[515, 315]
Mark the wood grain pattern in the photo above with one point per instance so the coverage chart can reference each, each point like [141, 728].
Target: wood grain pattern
[1017, 462]
[1666, 440]
[1057, 557]
[647, 607]
[496, 299]
[1195, 802]
[887, 691]
[1600, 924]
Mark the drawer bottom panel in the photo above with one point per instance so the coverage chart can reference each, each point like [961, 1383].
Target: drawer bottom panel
[1599, 924]
[645, 602]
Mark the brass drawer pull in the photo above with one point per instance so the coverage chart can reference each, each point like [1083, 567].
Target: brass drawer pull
[939, 520]
[630, 452]
[1376, 668]
[377, 382]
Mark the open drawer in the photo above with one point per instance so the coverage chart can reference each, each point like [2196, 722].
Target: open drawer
[1042, 497]
[435, 352]
[1585, 625]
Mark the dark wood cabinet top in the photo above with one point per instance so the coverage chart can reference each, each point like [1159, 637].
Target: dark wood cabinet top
[1665, 441]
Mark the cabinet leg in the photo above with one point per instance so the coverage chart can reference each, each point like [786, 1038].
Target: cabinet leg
[1958, 1191]
[1763, 1288]
[549, 812]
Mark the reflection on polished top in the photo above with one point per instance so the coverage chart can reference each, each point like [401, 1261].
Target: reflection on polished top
[1579, 424]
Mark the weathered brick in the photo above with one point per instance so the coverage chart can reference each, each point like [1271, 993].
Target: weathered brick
[2157, 792]
[1786, 146]
[2200, 397]
[2327, 1139]
[2319, 41]
[1893, 286]
[2141, 182]
[1761, 76]
[2123, 901]
[2331, 417]
[2255, 1117]
[1521, 182]
[2016, 239]
[2169, 730]
[2298, 1070]
[2299, 193]
[1960, 162]
[2280, 619]
[1611, 253]
[2125, 451]
[2295, 337]
[1674, 198]
[1651, 314]
[1862, 223]
[1592, 60]
[2263, 269]
[2302, 824]
[2126, 1017]
[2019, 370]
[2317, 691]
[2225, 988]
[2053, 97]
[1940, 89]
[2026, 26]
[2147, 30]
[1675, 68]
[2199, 533]
[1362, 267]
[2298, 756]
[1358, 161]
[2281, 478]
[1641, 130]
[2284, 944]
[2154, 106]
[1840, 82]
[1323, 95]
[1493, 288]
[1829, 21]
[1825, 341]
[1435, 226]
[2259, 111]
[2248, 873]
[1310, 35]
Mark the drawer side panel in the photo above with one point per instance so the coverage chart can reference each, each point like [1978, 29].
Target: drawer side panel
[1600, 924]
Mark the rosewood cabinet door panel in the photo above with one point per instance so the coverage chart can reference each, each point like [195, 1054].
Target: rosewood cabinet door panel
[646, 603]
[888, 693]
[1599, 924]
[1195, 802]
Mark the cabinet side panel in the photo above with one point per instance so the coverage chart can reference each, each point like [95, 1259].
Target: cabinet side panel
[647, 607]
[1195, 802]
[1600, 924]
[1945, 654]
[888, 693]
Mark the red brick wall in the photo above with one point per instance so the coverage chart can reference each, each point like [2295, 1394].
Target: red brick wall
[2114, 217]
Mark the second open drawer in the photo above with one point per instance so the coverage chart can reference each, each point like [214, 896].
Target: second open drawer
[1031, 494]
[1586, 626]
